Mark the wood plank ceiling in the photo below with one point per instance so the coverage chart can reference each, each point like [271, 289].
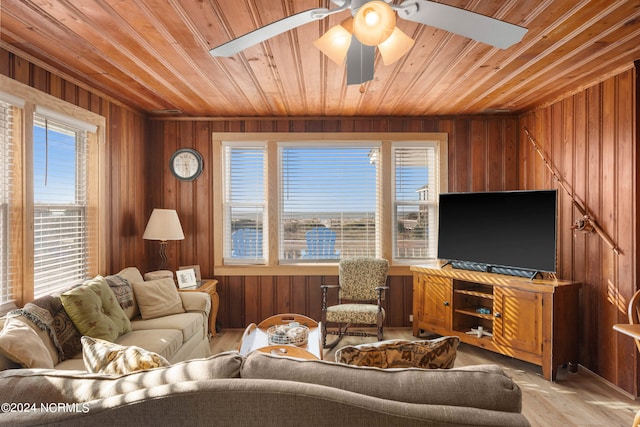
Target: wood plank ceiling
[153, 55]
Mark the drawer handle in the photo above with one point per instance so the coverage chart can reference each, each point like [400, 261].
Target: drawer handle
[446, 303]
[496, 314]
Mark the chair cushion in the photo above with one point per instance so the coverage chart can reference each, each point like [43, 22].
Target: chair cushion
[359, 278]
[430, 354]
[157, 298]
[364, 314]
[105, 357]
[95, 311]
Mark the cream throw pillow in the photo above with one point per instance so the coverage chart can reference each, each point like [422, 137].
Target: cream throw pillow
[104, 357]
[157, 298]
[21, 344]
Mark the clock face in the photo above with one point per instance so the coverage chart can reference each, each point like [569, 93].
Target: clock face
[186, 164]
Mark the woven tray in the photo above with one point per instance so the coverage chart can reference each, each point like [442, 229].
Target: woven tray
[288, 334]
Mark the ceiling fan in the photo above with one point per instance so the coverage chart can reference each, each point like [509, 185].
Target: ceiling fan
[373, 24]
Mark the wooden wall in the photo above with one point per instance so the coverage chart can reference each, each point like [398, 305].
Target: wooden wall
[591, 139]
[482, 156]
[125, 135]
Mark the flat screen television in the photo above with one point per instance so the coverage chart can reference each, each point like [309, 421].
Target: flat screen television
[508, 232]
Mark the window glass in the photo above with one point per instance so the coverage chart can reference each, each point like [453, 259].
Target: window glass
[328, 198]
[60, 203]
[245, 204]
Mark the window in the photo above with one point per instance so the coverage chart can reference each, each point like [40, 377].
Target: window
[415, 201]
[7, 168]
[51, 194]
[244, 203]
[60, 250]
[329, 199]
[325, 197]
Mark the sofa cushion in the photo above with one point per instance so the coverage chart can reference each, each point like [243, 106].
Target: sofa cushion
[428, 354]
[187, 323]
[44, 385]
[95, 311]
[482, 386]
[131, 275]
[20, 343]
[157, 298]
[108, 358]
[165, 342]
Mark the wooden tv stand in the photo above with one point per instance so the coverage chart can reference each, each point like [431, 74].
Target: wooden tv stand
[531, 320]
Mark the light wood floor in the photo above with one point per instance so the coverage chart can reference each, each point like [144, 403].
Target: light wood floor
[580, 399]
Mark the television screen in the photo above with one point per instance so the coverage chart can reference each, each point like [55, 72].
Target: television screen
[510, 229]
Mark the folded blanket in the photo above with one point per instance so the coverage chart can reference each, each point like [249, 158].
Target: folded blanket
[49, 315]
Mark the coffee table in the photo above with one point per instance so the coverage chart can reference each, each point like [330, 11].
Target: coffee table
[255, 338]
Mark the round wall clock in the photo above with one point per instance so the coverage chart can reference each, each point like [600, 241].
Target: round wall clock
[186, 164]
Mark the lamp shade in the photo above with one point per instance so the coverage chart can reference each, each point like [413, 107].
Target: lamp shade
[395, 47]
[163, 225]
[374, 22]
[335, 42]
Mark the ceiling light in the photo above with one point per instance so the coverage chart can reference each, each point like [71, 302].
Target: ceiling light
[395, 47]
[335, 42]
[374, 22]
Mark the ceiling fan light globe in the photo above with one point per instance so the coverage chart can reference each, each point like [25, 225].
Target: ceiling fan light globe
[335, 44]
[395, 47]
[374, 22]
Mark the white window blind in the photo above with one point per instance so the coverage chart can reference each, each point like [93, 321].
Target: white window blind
[245, 203]
[329, 201]
[7, 280]
[60, 204]
[415, 197]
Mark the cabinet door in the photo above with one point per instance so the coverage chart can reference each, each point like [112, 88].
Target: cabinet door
[518, 319]
[435, 300]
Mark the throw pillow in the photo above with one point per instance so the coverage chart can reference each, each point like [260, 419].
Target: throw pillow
[158, 298]
[105, 357]
[21, 344]
[123, 291]
[94, 310]
[429, 354]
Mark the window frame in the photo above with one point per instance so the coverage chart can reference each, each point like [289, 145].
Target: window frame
[33, 100]
[272, 266]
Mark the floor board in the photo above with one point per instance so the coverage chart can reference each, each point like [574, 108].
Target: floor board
[580, 399]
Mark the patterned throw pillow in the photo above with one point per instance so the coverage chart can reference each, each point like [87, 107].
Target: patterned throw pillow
[105, 357]
[95, 311]
[429, 354]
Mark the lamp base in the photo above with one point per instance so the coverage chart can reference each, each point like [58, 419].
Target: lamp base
[163, 256]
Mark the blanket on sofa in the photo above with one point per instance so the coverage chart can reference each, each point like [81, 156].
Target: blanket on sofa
[49, 315]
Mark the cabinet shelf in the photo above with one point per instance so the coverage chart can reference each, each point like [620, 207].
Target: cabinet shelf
[471, 311]
[479, 294]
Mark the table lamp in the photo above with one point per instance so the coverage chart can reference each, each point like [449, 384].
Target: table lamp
[163, 225]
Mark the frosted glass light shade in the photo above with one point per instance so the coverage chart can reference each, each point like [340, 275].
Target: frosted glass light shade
[163, 225]
[374, 22]
[395, 47]
[335, 43]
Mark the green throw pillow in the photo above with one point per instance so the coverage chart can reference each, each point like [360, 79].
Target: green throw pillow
[95, 311]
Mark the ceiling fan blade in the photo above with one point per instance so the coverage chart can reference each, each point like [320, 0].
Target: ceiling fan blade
[360, 62]
[261, 34]
[463, 22]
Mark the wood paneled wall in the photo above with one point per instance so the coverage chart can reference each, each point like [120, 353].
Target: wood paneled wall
[591, 139]
[125, 136]
[483, 153]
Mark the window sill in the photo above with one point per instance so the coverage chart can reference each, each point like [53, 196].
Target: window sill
[295, 270]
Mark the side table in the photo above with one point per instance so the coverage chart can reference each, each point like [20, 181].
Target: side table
[209, 286]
